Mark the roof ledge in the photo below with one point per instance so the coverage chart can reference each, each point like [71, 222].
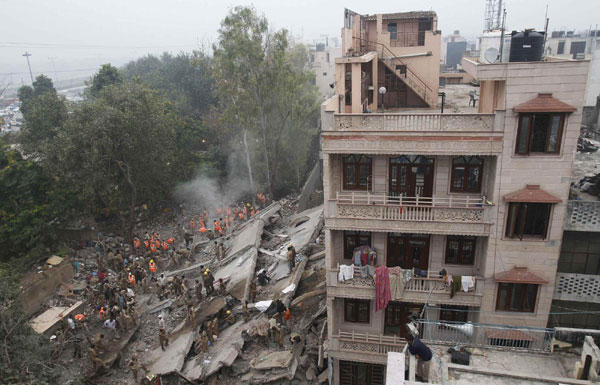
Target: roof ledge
[519, 274]
[544, 102]
[532, 193]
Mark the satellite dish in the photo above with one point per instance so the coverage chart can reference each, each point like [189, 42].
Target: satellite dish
[491, 55]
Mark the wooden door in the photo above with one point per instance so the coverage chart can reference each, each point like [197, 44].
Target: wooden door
[417, 253]
[411, 176]
[395, 250]
[397, 315]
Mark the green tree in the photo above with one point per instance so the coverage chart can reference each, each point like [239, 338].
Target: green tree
[264, 89]
[106, 76]
[186, 81]
[44, 112]
[31, 207]
[117, 150]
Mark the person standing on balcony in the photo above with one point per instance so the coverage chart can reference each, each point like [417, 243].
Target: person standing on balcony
[423, 355]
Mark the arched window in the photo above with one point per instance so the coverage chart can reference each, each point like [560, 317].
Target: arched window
[467, 172]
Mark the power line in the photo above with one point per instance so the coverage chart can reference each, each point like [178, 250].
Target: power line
[10, 44]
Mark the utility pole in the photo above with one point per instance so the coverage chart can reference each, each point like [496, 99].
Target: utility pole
[27, 54]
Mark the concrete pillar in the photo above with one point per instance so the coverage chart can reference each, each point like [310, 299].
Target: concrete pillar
[379, 26]
[374, 84]
[340, 82]
[356, 82]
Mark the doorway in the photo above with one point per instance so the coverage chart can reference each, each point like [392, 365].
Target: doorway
[411, 176]
[397, 315]
[408, 251]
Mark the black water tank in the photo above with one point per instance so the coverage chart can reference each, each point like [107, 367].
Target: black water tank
[526, 46]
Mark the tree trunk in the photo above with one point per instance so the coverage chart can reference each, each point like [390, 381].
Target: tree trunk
[248, 161]
[132, 205]
[266, 150]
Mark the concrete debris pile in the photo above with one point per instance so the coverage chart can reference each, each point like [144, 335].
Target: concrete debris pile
[245, 305]
[589, 185]
[586, 146]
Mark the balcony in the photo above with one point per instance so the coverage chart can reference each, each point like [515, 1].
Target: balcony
[432, 289]
[428, 215]
[577, 287]
[414, 122]
[376, 345]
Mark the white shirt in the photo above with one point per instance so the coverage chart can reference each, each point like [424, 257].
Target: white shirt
[161, 323]
[71, 323]
[110, 324]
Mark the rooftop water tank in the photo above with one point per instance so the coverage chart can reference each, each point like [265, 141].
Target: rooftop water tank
[526, 46]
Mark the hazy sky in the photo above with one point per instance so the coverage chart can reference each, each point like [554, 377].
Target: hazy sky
[72, 37]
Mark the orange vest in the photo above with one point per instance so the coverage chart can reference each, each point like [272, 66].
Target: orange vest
[202, 229]
[79, 317]
[101, 313]
[152, 248]
[170, 240]
[241, 216]
[146, 244]
[136, 244]
[245, 210]
[192, 224]
[152, 267]
[132, 279]
[288, 315]
[164, 245]
[218, 227]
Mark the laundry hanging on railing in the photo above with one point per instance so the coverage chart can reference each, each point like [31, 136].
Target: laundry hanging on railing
[468, 282]
[397, 283]
[365, 255]
[367, 271]
[346, 273]
[382, 288]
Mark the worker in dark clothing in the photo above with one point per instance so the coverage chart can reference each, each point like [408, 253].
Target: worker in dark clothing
[423, 355]
[263, 279]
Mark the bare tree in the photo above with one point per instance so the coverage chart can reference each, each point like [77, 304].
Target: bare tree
[4, 84]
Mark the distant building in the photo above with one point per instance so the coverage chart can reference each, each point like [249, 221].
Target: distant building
[573, 45]
[322, 61]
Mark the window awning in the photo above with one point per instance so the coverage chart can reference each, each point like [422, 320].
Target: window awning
[532, 193]
[519, 274]
[544, 102]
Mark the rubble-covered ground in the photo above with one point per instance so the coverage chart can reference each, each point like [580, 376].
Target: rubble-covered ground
[238, 355]
[585, 182]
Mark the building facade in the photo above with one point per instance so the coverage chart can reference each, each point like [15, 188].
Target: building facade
[322, 62]
[479, 196]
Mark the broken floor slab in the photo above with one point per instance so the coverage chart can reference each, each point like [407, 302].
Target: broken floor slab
[238, 270]
[48, 320]
[279, 359]
[173, 357]
[223, 353]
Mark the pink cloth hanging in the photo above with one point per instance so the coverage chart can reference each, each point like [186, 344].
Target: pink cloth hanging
[382, 288]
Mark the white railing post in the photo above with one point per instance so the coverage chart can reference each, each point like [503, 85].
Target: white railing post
[450, 201]
[352, 197]
[467, 201]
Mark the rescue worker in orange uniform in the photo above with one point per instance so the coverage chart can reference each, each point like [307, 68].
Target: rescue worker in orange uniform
[165, 246]
[136, 243]
[192, 224]
[152, 247]
[170, 240]
[131, 279]
[152, 266]
[146, 244]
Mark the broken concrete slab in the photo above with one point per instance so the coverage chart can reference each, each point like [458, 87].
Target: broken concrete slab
[239, 270]
[38, 286]
[223, 353]
[306, 296]
[54, 260]
[161, 305]
[317, 256]
[48, 320]
[206, 310]
[278, 359]
[305, 227]
[294, 279]
[173, 357]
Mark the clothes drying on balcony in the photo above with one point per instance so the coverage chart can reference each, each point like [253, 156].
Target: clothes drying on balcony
[382, 288]
[367, 271]
[365, 255]
[398, 280]
[458, 283]
[346, 273]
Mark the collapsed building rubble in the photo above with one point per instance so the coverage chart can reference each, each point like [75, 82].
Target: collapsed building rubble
[257, 245]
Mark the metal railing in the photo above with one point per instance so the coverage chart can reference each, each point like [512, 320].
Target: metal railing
[370, 198]
[486, 335]
[407, 39]
[410, 77]
[372, 343]
[414, 122]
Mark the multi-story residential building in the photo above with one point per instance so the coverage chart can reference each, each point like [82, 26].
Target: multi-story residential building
[322, 61]
[481, 193]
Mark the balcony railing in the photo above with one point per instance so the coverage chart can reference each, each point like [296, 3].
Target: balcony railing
[414, 122]
[577, 287]
[433, 283]
[398, 208]
[370, 343]
[486, 335]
